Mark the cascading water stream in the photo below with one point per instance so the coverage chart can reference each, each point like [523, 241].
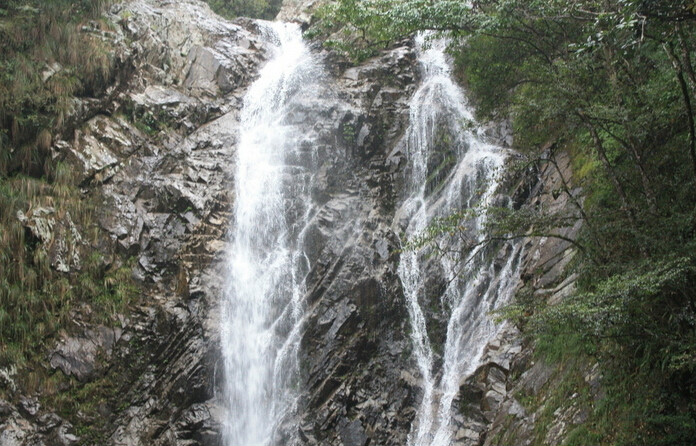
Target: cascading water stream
[262, 309]
[450, 168]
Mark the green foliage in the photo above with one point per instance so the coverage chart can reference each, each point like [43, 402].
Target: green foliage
[45, 60]
[261, 9]
[145, 121]
[582, 436]
[36, 300]
[359, 28]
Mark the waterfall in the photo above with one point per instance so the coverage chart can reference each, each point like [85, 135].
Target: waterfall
[450, 167]
[262, 306]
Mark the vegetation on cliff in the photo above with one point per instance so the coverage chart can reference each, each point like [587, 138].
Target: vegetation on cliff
[51, 53]
[612, 83]
[261, 9]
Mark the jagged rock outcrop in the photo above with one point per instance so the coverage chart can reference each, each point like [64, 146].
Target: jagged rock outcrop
[27, 425]
[158, 150]
[297, 10]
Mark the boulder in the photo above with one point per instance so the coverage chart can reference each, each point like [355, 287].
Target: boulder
[80, 355]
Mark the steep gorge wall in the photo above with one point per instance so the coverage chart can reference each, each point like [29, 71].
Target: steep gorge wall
[159, 152]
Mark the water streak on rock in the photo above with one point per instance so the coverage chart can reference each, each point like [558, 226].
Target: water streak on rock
[451, 167]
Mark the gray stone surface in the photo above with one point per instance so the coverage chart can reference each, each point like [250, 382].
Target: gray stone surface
[81, 355]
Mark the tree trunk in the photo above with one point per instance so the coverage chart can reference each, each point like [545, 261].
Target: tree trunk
[618, 186]
[686, 96]
[686, 55]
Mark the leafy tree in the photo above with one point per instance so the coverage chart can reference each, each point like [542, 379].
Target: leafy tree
[264, 9]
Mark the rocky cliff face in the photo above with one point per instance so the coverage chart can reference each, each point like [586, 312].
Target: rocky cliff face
[158, 151]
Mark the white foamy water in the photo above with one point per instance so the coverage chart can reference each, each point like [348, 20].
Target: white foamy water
[450, 167]
[262, 306]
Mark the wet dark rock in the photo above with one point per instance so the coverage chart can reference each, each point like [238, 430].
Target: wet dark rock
[5, 408]
[353, 434]
[29, 406]
[200, 424]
